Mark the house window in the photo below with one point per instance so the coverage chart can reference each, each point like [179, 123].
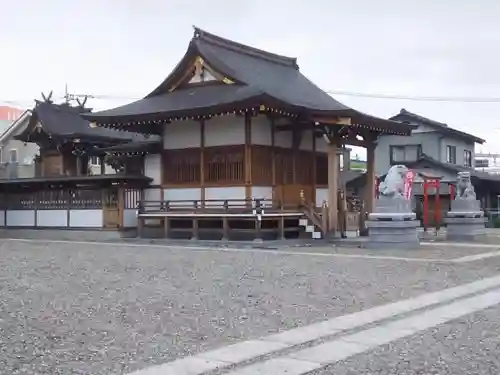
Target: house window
[467, 158]
[405, 153]
[13, 156]
[451, 154]
[94, 160]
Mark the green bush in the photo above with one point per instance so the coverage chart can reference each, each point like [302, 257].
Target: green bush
[496, 222]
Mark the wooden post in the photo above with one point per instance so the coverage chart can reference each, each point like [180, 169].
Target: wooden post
[166, 227]
[281, 224]
[166, 220]
[202, 162]
[273, 152]
[324, 216]
[225, 223]
[102, 165]
[314, 167]
[194, 235]
[437, 208]
[333, 187]
[370, 178]
[426, 206]
[258, 220]
[36, 199]
[121, 205]
[248, 157]
[78, 166]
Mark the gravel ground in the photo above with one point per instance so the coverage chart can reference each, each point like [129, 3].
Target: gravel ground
[431, 252]
[92, 309]
[469, 345]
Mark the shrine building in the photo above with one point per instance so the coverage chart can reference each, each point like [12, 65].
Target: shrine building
[238, 122]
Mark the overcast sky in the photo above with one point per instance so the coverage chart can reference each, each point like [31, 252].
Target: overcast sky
[125, 48]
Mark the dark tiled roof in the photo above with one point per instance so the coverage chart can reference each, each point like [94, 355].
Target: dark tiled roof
[349, 176]
[276, 75]
[258, 76]
[427, 160]
[182, 100]
[131, 147]
[14, 184]
[405, 115]
[64, 121]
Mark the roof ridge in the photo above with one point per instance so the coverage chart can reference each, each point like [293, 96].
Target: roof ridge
[200, 34]
[416, 115]
[64, 107]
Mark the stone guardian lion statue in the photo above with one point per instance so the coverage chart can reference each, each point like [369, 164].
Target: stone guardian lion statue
[393, 185]
[465, 190]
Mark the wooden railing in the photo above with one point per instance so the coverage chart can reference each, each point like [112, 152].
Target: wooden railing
[234, 206]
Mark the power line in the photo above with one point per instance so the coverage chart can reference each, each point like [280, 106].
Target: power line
[452, 99]
[457, 99]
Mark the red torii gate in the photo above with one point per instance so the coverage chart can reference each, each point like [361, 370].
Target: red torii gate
[434, 182]
[428, 183]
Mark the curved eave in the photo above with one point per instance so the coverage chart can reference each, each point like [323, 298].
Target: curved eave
[136, 121]
[363, 120]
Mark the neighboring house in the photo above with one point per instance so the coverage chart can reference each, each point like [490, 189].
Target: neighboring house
[9, 113]
[16, 157]
[431, 138]
[435, 150]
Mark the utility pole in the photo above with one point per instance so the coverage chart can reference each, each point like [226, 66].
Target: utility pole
[68, 98]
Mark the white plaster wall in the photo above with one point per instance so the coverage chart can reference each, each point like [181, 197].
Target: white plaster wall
[21, 218]
[321, 145]
[321, 195]
[152, 168]
[52, 218]
[225, 130]
[182, 134]
[190, 194]
[2, 218]
[265, 192]
[129, 218]
[230, 192]
[86, 218]
[153, 194]
[261, 131]
[283, 139]
[307, 140]
[422, 128]
[207, 76]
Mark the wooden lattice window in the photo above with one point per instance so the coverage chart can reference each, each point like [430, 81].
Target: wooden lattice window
[303, 167]
[224, 164]
[284, 166]
[181, 166]
[262, 169]
[53, 199]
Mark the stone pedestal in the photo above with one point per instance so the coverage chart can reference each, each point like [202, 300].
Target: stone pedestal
[392, 225]
[465, 221]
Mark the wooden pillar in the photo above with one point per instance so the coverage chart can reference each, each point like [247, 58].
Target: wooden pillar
[314, 167]
[273, 152]
[102, 165]
[202, 162]
[121, 205]
[248, 156]
[78, 166]
[370, 178]
[333, 187]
